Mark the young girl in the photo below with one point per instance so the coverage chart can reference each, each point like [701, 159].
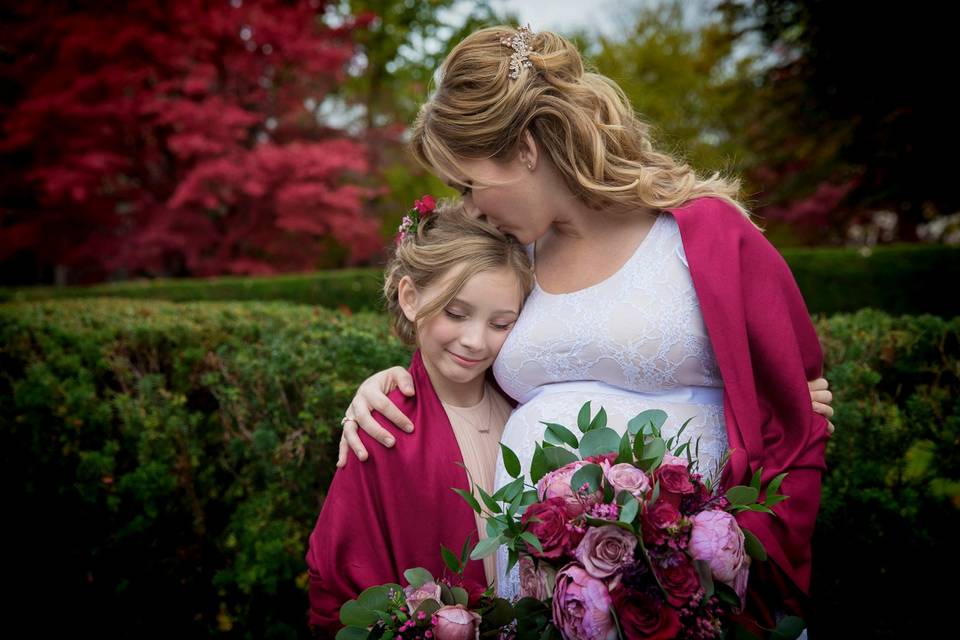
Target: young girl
[454, 289]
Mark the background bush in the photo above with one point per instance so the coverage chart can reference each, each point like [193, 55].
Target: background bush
[898, 279]
[167, 462]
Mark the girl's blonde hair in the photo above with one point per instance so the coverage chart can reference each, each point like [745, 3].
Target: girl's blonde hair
[582, 120]
[446, 239]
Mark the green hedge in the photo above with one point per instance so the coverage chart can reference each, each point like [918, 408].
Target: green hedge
[899, 279]
[167, 462]
[353, 289]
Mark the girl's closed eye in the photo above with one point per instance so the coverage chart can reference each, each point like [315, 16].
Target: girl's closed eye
[499, 327]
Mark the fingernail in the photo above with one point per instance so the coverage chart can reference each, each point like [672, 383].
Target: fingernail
[389, 442]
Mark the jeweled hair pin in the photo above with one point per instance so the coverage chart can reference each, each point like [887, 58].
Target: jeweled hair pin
[519, 42]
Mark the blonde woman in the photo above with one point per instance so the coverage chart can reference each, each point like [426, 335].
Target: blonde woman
[653, 289]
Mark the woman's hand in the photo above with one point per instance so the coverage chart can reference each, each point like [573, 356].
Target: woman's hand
[372, 394]
[822, 398]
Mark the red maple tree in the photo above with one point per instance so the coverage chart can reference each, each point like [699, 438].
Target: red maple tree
[178, 137]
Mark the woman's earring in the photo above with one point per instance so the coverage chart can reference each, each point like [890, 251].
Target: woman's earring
[530, 166]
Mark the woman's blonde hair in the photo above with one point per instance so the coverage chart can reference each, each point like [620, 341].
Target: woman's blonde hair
[446, 239]
[582, 120]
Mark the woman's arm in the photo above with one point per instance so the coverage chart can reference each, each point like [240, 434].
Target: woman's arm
[372, 394]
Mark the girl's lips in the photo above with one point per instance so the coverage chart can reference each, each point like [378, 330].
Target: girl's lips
[464, 361]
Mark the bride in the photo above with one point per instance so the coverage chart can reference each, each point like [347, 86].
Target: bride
[654, 288]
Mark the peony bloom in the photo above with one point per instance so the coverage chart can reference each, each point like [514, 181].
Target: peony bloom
[418, 595]
[456, 622]
[581, 606]
[717, 539]
[605, 550]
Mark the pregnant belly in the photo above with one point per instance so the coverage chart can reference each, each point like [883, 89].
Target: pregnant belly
[525, 427]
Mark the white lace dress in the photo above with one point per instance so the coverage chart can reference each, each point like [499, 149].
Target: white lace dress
[633, 342]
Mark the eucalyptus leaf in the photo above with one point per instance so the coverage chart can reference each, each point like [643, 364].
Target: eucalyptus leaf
[559, 457]
[590, 474]
[789, 628]
[599, 441]
[629, 510]
[460, 595]
[638, 422]
[417, 577]
[353, 633]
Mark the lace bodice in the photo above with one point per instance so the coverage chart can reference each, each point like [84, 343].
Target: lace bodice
[633, 342]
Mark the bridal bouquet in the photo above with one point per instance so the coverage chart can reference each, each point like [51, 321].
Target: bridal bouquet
[427, 608]
[625, 540]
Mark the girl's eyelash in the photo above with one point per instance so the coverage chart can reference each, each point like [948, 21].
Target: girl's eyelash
[499, 327]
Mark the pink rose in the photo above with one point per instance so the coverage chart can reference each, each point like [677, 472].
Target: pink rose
[717, 539]
[604, 550]
[556, 532]
[536, 582]
[456, 622]
[418, 595]
[556, 483]
[626, 477]
[581, 606]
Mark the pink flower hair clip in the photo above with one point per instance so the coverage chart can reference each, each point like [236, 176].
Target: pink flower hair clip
[421, 209]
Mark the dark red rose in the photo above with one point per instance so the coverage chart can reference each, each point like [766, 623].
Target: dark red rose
[679, 577]
[657, 519]
[643, 614]
[557, 535]
[674, 482]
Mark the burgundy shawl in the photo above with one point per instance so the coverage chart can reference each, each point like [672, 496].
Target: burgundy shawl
[392, 512]
[767, 349]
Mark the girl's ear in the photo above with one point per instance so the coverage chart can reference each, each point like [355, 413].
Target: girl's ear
[408, 298]
[527, 151]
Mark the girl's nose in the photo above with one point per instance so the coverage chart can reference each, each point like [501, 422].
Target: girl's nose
[472, 336]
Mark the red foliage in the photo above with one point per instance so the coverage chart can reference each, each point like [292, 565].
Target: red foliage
[171, 136]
